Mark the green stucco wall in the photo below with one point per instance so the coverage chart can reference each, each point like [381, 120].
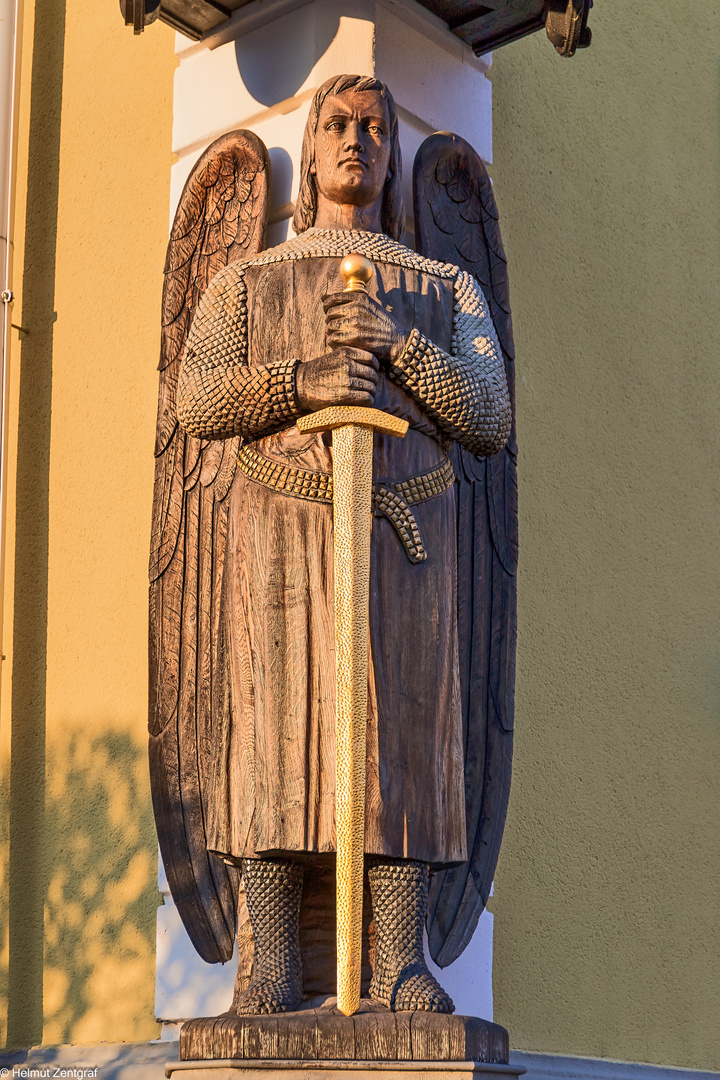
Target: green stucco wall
[607, 173]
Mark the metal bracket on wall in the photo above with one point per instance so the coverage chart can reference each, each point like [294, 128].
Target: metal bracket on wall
[139, 13]
[191, 17]
[566, 25]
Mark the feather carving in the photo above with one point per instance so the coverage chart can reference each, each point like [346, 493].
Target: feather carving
[221, 217]
[456, 221]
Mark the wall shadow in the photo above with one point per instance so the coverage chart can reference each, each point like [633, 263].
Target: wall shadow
[27, 766]
[281, 167]
[100, 897]
[273, 66]
[102, 894]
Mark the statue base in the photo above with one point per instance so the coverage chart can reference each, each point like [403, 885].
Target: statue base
[319, 1036]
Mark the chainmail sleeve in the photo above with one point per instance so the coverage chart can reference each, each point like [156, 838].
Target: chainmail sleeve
[464, 391]
[219, 394]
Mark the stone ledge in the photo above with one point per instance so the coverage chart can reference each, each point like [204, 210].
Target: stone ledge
[232, 1069]
[113, 1061]
[560, 1067]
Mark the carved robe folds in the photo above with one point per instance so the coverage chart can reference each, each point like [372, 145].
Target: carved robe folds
[274, 757]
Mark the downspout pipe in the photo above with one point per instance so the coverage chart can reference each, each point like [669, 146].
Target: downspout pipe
[10, 14]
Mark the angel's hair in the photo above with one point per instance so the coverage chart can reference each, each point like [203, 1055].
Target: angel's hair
[393, 208]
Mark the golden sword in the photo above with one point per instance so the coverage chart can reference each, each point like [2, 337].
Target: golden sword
[352, 451]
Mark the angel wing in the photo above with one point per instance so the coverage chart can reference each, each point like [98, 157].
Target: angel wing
[456, 221]
[221, 217]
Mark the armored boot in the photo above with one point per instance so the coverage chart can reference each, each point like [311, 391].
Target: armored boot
[273, 890]
[401, 980]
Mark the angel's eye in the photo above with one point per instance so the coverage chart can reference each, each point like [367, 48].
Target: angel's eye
[375, 129]
[335, 125]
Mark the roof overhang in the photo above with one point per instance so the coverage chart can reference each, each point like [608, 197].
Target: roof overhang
[484, 26]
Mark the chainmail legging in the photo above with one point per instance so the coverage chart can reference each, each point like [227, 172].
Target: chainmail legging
[401, 980]
[273, 889]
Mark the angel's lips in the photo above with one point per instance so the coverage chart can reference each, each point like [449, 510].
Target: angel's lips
[354, 161]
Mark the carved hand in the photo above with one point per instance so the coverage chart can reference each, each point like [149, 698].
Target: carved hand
[342, 377]
[358, 320]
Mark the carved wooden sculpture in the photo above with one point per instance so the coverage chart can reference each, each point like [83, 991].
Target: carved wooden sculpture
[242, 672]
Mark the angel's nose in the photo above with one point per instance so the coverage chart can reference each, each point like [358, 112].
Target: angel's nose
[353, 140]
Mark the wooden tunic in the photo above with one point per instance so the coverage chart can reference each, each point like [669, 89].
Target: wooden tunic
[273, 769]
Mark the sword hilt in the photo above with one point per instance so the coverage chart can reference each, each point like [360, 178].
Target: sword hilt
[356, 271]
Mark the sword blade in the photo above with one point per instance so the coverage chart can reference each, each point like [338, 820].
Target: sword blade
[352, 519]
[352, 428]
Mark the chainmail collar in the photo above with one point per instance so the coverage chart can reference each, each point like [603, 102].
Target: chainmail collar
[336, 243]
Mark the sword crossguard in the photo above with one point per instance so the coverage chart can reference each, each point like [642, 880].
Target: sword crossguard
[336, 416]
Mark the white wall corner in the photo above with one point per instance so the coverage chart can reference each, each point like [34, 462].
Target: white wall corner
[260, 70]
[185, 986]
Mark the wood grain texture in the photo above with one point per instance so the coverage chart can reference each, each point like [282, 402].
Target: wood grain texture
[325, 1034]
[376, 1036]
[279, 605]
[335, 1041]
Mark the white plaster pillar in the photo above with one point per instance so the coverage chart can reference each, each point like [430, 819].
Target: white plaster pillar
[262, 68]
[260, 71]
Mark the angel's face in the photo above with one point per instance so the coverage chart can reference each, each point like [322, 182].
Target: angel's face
[352, 148]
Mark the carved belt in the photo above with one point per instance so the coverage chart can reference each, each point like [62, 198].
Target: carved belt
[391, 501]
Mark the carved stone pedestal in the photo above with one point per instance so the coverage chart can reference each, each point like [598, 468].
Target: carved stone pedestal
[318, 1037]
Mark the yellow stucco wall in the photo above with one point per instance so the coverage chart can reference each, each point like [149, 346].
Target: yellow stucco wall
[607, 173]
[79, 873]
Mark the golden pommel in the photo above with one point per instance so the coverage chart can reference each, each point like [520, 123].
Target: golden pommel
[356, 271]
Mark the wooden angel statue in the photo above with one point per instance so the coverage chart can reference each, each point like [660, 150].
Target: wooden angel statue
[242, 710]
